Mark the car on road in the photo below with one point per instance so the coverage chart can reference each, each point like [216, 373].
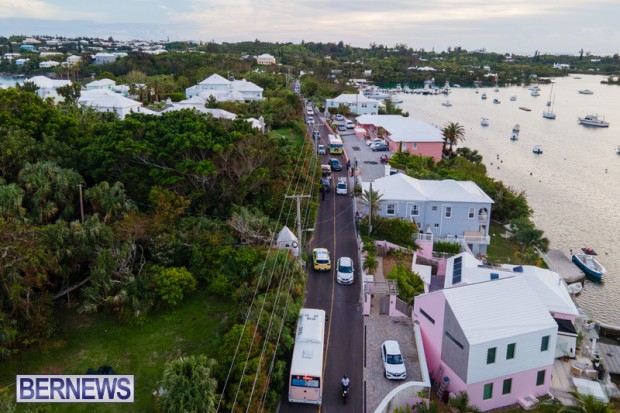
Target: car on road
[374, 141]
[309, 110]
[335, 164]
[339, 117]
[316, 134]
[342, 128]
[321, 260]
[341, 186]
[326, 185]
[310, 121]
[393, 360]
[349, 124]
[380, 147]
[320, 149]
[344, 270]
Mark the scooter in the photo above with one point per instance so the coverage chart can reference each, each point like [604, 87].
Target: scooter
[385, 159]
[345, 394]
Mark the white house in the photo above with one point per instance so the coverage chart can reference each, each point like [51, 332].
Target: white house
[288, 240]
[225, 90]
[449, 210]
[108, 101]
[102, 58]
[101, 84]
[47, 87]
[48, 63]
[357, 103]
[21, 61]
[265, 59]
[73, 60]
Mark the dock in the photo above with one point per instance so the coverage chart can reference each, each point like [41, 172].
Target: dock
[558, 262]
[611, 357]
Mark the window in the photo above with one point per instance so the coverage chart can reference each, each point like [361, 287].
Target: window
[544, 344]
[471, 214]
[390, 209]
[491, 355]
[428, 317]
[435, 208]
[363, 105]
[456, 270]
[494, 276]
[510, 351]
[454, 340]
[488, 391]
[507, 387]
[540, 378]
[436, 225]
[448, 213]
[415, 145]
[414, 210]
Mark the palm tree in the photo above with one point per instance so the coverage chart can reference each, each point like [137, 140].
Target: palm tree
[188, 386]
[372, 200]
[460, 404]
[453, 132]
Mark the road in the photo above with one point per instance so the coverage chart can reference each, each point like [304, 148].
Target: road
[335, 230]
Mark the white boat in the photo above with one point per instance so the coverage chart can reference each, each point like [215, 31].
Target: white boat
[618, 150]
[395, 100]
[514, 137]
[484, 96]
[484, 122]
[535, 92]
[594, 120]
[378, 95]
[537, 150]
[496, 101]
[586, 92]
[516, 128]
[574, 288]
[446, 103]
[513, 98]
[549, 114]
[497, 89]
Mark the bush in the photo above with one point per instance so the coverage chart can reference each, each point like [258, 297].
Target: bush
[396, 230]
[171, 284]
[449, 247]
[409, 283]
[175, 97]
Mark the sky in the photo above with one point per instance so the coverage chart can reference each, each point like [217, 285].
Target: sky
[503, 26]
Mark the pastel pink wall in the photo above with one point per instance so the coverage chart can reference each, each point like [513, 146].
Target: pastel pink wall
[433, 304]
[442, 263]
[430, 149]
[563, 316]
[426, 249]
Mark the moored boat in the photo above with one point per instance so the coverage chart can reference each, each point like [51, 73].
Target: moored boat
[496, 101]
[537, 150]
[516, 128]
[484, 96]
[525, 109]
[594, 120]
[586, 92]
[513, 98]
[588, 264]
[446, 103]
[514, 137]
[484, 122]
[575, 288]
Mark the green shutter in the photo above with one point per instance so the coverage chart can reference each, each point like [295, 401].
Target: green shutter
[544, 344]
[510, 351]
[488, 391]
[540, 378]
[507, 387]
[491, 355]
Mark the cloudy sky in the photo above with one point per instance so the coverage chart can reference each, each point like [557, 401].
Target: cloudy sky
[516, 26]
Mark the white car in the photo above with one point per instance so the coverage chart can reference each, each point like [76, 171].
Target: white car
[310, 111]
[393, 360]
[373, 141]
[344, 270]
[339, 117]
[341, 187]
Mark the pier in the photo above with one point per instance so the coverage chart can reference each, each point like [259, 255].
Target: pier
[558, 262]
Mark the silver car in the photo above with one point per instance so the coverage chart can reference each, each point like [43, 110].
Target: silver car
[344, 270]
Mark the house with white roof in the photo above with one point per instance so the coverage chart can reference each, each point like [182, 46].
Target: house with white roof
[103, 100]
[405, 134]
[224, 90]
[73, 60]
[21, 61]
[456, 211]
[357, 103]
[101, 84]
[495, 340]
[47, 87]
[265, 59]
[48, 63]
[102, 58]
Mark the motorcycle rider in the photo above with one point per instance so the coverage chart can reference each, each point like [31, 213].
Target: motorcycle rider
[345, 382]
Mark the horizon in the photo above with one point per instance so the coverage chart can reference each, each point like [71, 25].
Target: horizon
[515, 27]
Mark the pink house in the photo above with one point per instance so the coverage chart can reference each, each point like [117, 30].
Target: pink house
[495, 340]
[406, 134]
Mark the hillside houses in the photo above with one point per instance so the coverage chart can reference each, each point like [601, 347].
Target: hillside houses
[224, 90]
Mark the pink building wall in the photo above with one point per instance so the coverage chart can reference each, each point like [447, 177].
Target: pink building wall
[433, 304]
[426, 249]
[430, 149]
[563, 316]
[442, 263]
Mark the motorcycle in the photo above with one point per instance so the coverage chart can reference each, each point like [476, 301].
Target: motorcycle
[345, 394]
[385, 159]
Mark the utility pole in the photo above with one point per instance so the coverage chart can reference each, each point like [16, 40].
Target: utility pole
[298, 199]
[370, 200]
[81, 204]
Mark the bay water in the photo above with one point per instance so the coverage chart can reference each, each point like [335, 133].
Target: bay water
[573, 186]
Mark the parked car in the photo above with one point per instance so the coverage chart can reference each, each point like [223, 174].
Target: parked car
[375, 140]
[341, 186]
[320, 149]
[310, 111]
[349, 124]
[335, 164]
[380, 147]
[393, 360]
[344, 270]
[321, 260]
[310, 120]
[316, 134]
[339, 117]
[342, 128]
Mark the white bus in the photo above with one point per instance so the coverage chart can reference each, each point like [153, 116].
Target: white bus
[335, 144]
[306, 381]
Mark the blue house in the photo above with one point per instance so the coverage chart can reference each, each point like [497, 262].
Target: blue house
[27, 48]
[448, 210]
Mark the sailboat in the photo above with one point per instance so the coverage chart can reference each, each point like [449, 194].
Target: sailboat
[548, 113]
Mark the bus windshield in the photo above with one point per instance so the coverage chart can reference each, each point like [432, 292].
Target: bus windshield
[335, 145]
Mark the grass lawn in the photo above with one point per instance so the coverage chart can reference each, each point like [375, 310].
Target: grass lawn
[82, 342]
[501, 249]
[291, 134]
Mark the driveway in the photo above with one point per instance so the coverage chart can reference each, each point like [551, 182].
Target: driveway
[368, 161]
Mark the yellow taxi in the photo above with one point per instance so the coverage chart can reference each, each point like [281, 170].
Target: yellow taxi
[321, 260]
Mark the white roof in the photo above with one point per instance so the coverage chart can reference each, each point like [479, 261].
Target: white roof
[353, 98]
[101, 83]
[108, 100]
[45, 82]
[216, 113]
[265, 55]
[194, 100]
[215, 79]
[403, 129]
[286, 235]
[245, 86]
[498, 309]
[405, 188]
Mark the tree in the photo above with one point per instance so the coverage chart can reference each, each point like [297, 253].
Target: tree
[409, 283]
[460, 404]
[188, 386]
[172, 283]
[528, 235]
[71, 93]
[453, 132]
[373, 201]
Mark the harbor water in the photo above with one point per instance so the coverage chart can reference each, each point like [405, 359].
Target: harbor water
[572, 186]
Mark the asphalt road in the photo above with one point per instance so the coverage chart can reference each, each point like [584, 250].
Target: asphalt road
[335, 230]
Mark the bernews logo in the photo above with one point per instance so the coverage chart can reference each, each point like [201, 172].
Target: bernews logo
[86, 388]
